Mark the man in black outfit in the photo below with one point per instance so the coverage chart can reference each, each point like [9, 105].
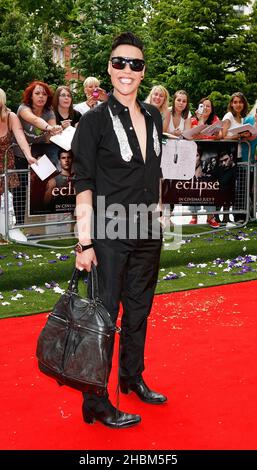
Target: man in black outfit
[117, 152]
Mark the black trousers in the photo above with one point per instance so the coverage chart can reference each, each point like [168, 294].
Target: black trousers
[128, 272]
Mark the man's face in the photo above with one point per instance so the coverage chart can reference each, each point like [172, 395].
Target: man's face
[65, 161]
[226, 161]
[126, 81]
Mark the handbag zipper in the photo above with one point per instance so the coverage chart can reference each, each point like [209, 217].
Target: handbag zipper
[80, 326]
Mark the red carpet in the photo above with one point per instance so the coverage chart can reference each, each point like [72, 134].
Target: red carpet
[201, 352]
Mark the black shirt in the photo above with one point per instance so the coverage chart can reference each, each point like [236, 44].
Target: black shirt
[102, 163]
[75, 117]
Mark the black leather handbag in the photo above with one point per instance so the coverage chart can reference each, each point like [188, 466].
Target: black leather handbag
[76, 343]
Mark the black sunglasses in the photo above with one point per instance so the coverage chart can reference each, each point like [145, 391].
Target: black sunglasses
[119, 63]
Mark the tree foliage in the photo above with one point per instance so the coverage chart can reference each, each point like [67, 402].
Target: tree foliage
[202, 47]
[205, 47]
[250, 63]
[54, 13]
[99, 21]
[54, 74]
[17, 62]
[22, 59]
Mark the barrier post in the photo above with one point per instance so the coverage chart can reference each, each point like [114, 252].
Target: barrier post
[254, 190]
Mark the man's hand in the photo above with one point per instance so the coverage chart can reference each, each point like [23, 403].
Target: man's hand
[85, 259]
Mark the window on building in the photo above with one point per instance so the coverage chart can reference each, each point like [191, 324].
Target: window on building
[61, 57]
[55, 54]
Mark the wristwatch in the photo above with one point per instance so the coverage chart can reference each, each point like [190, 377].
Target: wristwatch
[79, 247]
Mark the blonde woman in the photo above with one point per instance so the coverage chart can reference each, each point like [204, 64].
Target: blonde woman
[10, 125]
[94, 95]
[159, 97]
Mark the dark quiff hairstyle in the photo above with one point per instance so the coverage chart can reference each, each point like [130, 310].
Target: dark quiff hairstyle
[129, 39]
[61, 150]
[27, 94]
[242, 97]
[224, 153]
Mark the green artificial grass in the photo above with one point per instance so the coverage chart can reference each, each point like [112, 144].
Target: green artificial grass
[33, 271]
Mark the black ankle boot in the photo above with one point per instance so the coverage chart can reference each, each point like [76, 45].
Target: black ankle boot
[142, 391]
[100, 409]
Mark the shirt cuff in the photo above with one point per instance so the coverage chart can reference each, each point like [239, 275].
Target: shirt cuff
[81, 186]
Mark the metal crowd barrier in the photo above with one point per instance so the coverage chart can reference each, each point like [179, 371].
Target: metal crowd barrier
[32, 229]
[53, 226]
[246, 175]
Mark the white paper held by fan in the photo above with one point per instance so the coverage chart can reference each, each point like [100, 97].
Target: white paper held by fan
[65, 138]
[44, 167]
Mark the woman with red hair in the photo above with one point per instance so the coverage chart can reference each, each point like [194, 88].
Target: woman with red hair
[39, 123]
[38, 118]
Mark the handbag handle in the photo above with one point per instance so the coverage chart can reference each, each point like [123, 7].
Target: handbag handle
[93, 289]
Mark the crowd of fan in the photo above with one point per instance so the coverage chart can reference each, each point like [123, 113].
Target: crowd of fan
[26, 135]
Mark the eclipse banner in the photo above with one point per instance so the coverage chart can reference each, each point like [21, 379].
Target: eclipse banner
[55, 195]
[214, 179]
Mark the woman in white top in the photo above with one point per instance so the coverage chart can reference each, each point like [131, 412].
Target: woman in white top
[94, 95]
[237, 110]
[179, 114]
[159, 97]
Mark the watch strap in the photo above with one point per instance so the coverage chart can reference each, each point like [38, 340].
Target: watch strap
[86, 247]
[79, 247]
